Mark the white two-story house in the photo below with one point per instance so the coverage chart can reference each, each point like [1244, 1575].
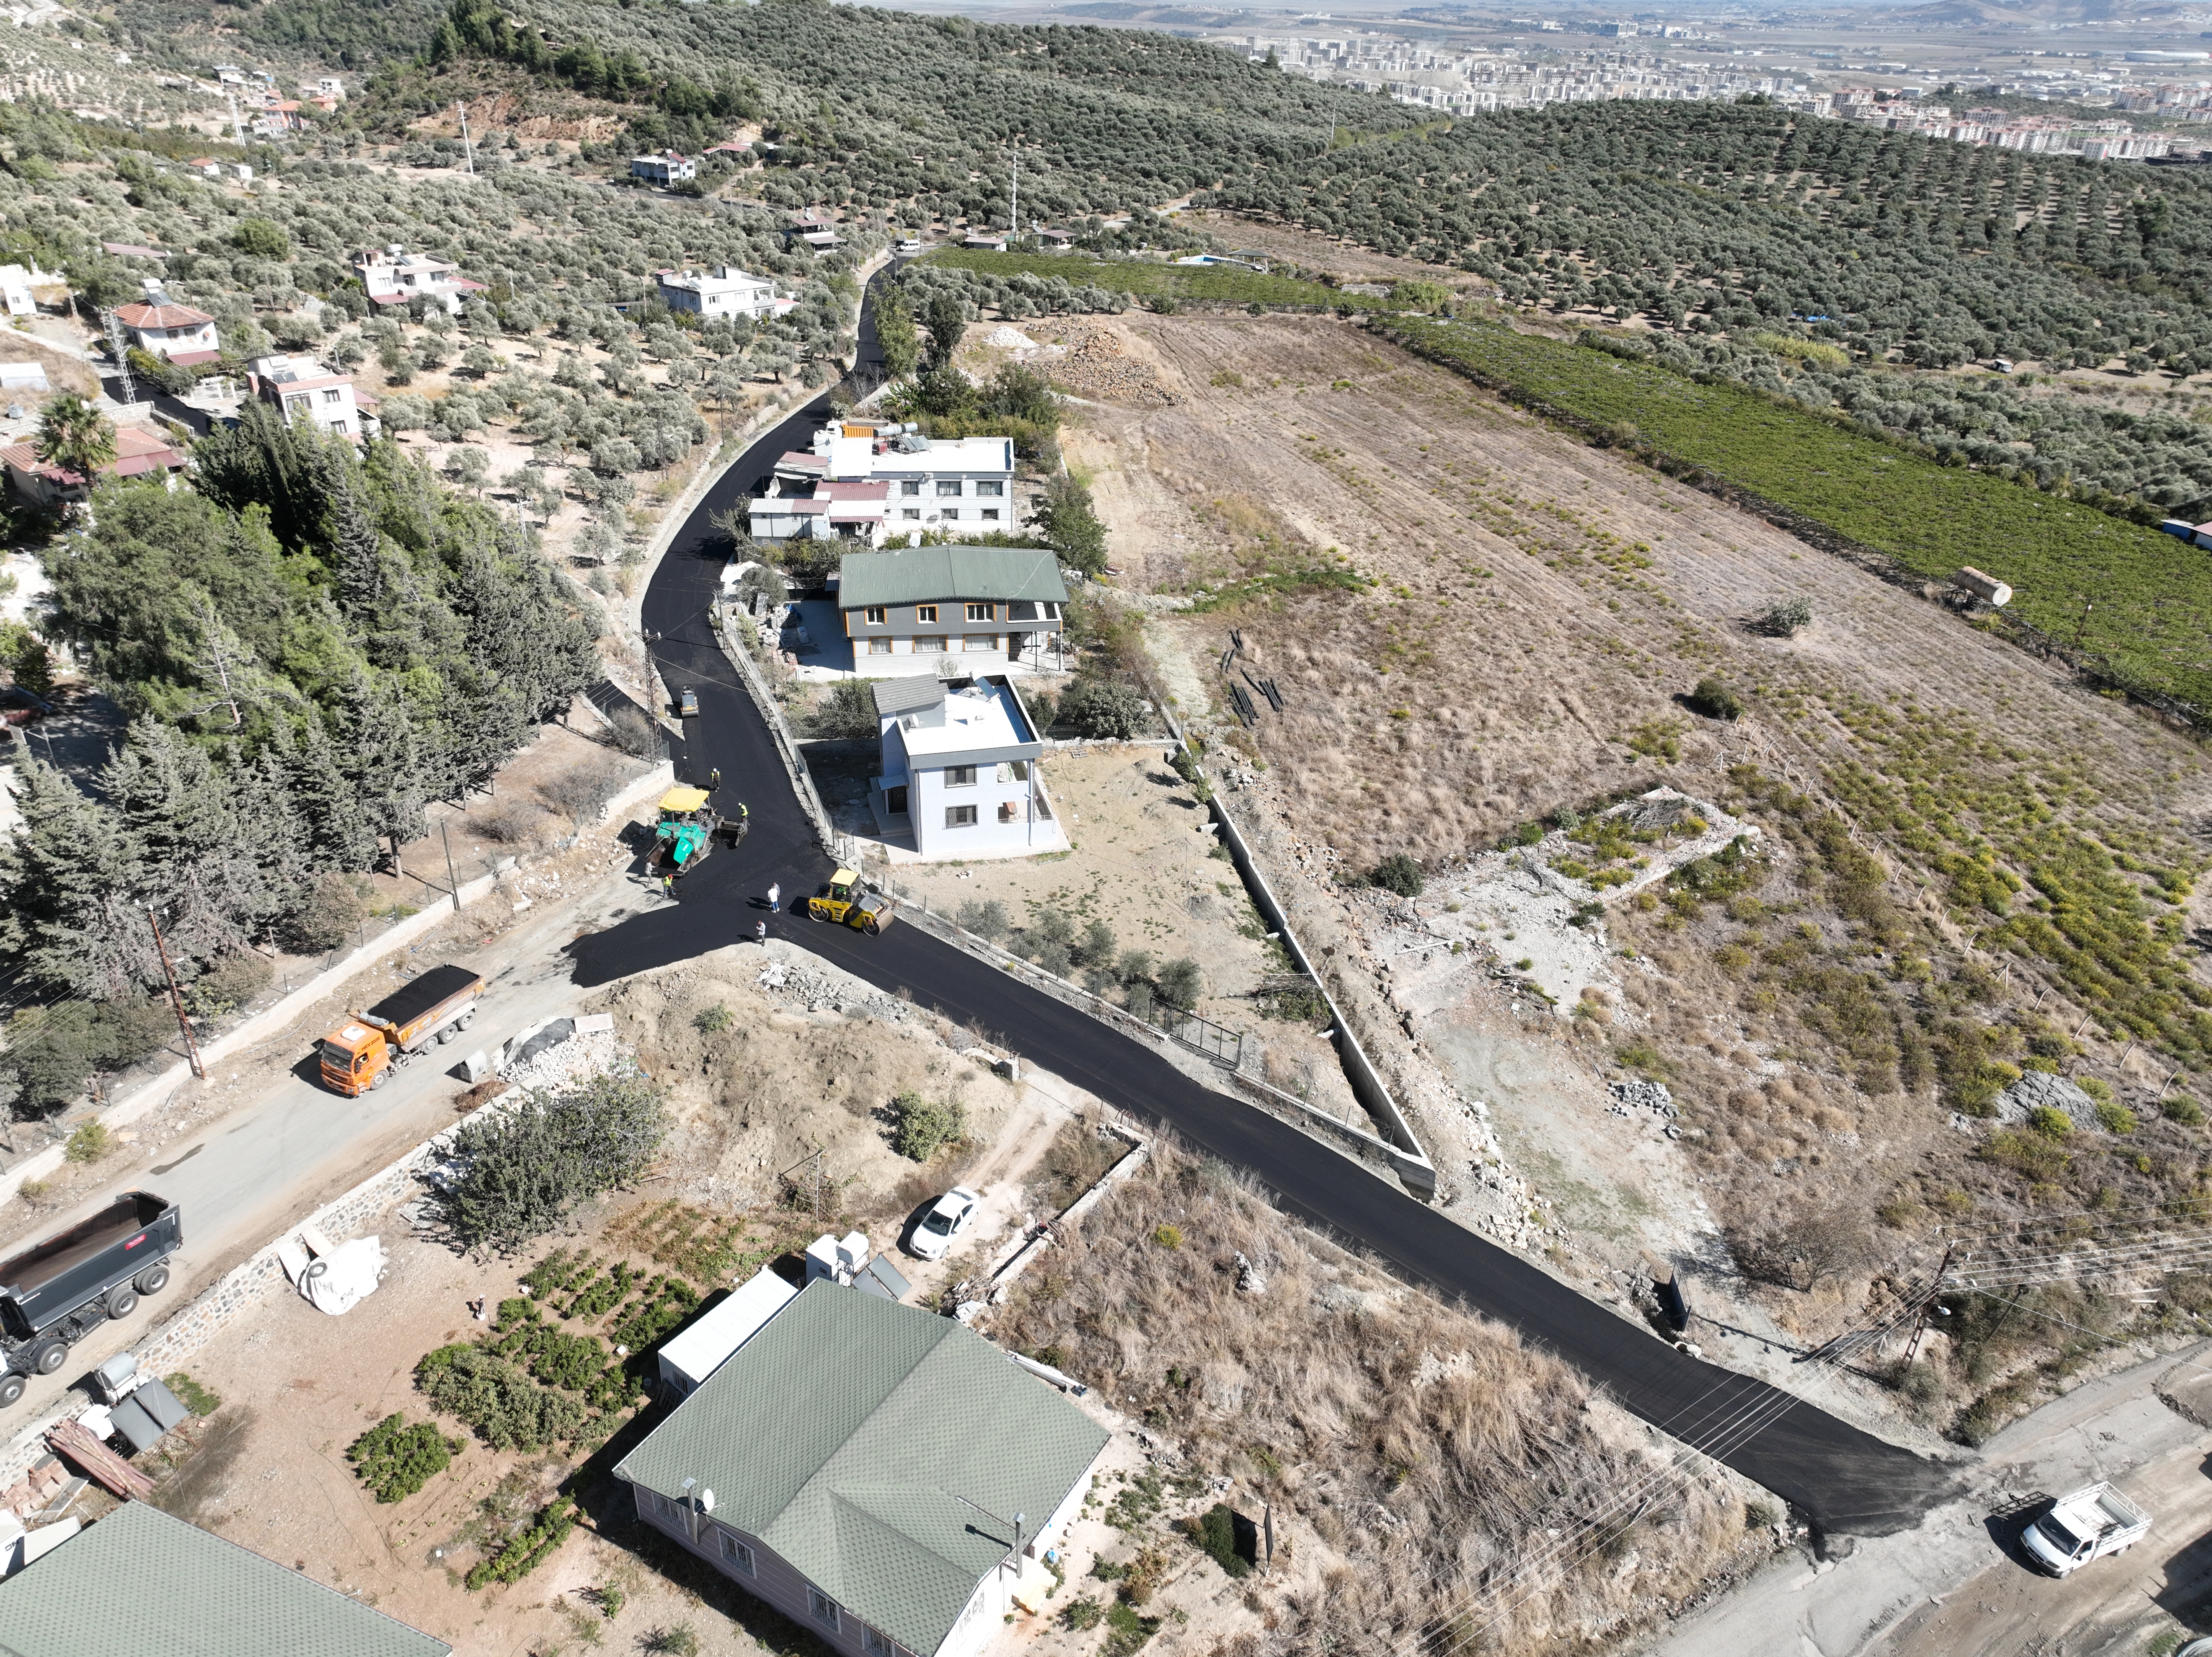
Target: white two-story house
[718, 293]
[175, 332]
[391, 276]
[308, 392]
[960, 771]
[959, 486]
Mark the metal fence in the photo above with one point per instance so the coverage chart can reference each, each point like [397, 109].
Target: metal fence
[1224, 1046]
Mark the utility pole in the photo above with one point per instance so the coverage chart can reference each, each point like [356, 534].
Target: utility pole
[453, 880]
[467, 149]
[176, 1000]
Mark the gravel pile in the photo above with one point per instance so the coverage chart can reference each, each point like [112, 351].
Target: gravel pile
[1631, 1097]
[815, 991]
[567, 1063]
[1096, 365]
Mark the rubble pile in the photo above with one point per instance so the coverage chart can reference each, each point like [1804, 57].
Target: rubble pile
[815, 991]
[564, 1064]
[1096, 366]
[1638, 1098]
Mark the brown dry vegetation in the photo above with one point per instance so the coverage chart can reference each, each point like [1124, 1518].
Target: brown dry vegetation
[1410, 1442]
[1970, 864]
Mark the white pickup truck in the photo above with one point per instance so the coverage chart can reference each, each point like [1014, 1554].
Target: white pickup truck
[2085, 1526]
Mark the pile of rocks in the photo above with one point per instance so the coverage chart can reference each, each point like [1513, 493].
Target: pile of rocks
[2037, 1089]
[1096, 366]
[1639, 1098]
[815, 991]
[564, 1064]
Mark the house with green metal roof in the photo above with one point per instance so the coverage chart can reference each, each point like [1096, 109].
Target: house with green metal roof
[141, 1582]
[981, 609]
[873, 1471]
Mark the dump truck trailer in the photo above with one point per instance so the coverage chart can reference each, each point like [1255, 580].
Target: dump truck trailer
[55, 1294]
[362, 1053]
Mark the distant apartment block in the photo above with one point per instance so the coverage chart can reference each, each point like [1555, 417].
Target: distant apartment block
[663, 169]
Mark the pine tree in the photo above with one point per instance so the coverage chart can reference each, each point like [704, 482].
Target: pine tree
[65, 913]
[380, 755]
[322, 794]
[181, 831]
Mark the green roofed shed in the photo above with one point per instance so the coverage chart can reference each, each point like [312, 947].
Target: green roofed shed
[844, 1436]
[140, 1581]
[925, 575]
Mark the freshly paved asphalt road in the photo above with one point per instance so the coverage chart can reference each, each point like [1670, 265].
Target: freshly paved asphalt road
[1848, 1481]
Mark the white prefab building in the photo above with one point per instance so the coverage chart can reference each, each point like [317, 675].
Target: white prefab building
[847, 1467]
[960, 771]
[689, 1358]
[16, 291]
[309, 392]
[663, 169]
[720, 293]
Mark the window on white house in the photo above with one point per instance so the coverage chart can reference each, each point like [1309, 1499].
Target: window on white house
[876, 615]
[1010, 810]
[959, 816]
[990, 489]
[912, 486]
[874, 1643]
[959, 776]
[910, 511]
[879, 645]
[333, 395]
[924, 612]
[735, 1553]
[662, 1506]
[979, 641]
[822, 1608]
[949, 488]
[951, 514]
[990, 514]
[979, 612]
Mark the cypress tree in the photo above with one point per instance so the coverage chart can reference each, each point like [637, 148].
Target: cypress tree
[65, 917]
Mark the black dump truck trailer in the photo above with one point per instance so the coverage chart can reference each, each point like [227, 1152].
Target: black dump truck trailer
[54, 1295]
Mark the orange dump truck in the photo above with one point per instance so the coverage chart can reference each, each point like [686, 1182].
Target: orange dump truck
[362, 1053]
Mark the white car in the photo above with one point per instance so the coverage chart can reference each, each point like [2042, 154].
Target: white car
[954, 1213]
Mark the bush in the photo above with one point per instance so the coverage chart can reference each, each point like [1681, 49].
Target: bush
[848, 713]
[1215, 1533]
[2184, 1110]
[91, 1142]
[1399, 873]
[1712, 698]
[1081, 1614]
[713, 1020]
[528, 1550]
[1169, 1237]
[1100, 709]
[395, 1460]
[2115, 1118]
[228, 982]
[1784, 620]
[523, 1170]
[2051, 1122]
[1097, 946]
[1179, 983]
[331, 916]
[497, 1401]
[988, 920]
[925, 1124]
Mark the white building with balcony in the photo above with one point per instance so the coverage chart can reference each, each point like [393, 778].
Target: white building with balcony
[391, 276]
[718, 293]
[308, 392]
[959, 486]
[177, 333]
[663, 169]
[960, 770]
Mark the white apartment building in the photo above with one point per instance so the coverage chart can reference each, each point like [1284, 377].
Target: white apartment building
[718, 293]
[962, 485]
[176, 333]
[15, 290]
[663, 169]
[960, 771]
[391, 276]
[308, 392]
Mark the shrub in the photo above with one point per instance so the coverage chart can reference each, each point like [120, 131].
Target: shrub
[2051, 1122]
[713, 1020]
[1168, 1236]
[2115, 1118]
[522, 1170]
[528, 1550]
[1712, 698]
[497, 1401]
[1399, 873]
[677, 1642]
[2184, 1110]
[1097, 946]
[229, 981]
[1784, 620]
[925, 1124]
[1099, 708]
[91, 1142]
[848, 713]
[395, 1460]
[1215, 1533]
[1081, 1614]
[1179, 984]
[988, 920]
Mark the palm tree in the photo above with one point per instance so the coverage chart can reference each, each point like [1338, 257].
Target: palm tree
[75, 438]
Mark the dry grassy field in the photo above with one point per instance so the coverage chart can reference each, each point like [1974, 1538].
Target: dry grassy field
[1967, 865]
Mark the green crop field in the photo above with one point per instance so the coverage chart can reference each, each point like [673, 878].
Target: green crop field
[1219, 284]
[2151, 593]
